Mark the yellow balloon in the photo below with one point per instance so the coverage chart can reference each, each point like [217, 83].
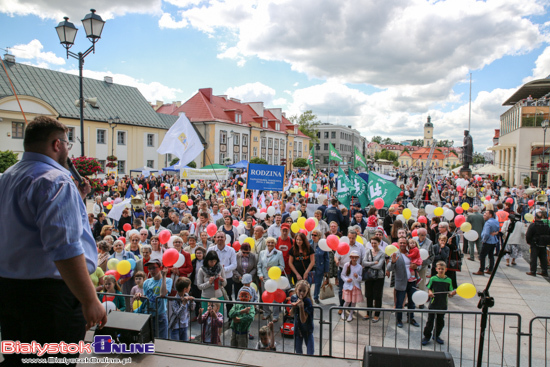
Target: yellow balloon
[184, 198]
[112, 263]
[299, 213]
[465, 206]
[466, 290]
[110, 206]
[316, 222]
[295, 228]
[274, 273]
[124, 267]
[240, 202]
[529, 217]
[223, 193]
[301, 222]
[438, 212]
[482, 189]
[250, 241]
[157, 202]
[136, 304]
[542, 192]
[407, 213]
[466, 227]
[390, 250]
[303, 193]
[193, 257]
[192, 186]
[360, 239]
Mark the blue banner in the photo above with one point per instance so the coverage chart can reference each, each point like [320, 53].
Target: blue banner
[265, 177]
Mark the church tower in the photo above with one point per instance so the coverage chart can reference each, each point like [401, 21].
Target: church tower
[428, 133]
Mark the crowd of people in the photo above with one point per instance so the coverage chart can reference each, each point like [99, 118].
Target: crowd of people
[208, 221]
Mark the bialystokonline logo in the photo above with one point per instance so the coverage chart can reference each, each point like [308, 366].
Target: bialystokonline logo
[103, 344]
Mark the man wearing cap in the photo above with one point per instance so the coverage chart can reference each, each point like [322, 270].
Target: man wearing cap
[284, 244]
[156, 286]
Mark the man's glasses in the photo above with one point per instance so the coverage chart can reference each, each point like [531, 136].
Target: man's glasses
[69, 145]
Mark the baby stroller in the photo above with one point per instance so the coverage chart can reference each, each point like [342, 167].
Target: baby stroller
[287, 329]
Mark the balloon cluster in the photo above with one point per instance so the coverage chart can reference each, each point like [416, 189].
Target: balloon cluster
[275, 286]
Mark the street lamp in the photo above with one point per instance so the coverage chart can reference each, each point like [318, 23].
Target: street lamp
[93, 25]
[544, 127]
[113, 123]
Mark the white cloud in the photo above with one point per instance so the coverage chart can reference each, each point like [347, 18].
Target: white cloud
[295, 84]
[233, 54]
[166, 21]
[33, 51]
[542, 66]
[151, 91]
[76, 10]
[252, 92]
[280, 102]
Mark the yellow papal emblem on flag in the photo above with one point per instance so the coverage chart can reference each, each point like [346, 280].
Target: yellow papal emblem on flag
[183, 139]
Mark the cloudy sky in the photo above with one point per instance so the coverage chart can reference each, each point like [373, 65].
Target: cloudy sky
[382, 67]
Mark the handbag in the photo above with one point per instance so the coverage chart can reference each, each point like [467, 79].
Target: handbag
[369, 274]
[327, 291]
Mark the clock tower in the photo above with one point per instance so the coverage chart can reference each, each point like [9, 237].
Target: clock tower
[428, 133]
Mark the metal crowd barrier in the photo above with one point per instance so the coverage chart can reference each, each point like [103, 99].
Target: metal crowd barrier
[539, 333]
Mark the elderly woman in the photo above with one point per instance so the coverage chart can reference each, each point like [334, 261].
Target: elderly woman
[156, 228]
[375, 259]
[211, 279]
[98, 206]
[102, 255]
[133, 245]
[268, 258]
[229, 229]
[121, 254]
[204, 241]
[322, 263]
[246, 264]
[192, 244]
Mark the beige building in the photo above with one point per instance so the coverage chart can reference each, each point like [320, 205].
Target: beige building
[134, 140]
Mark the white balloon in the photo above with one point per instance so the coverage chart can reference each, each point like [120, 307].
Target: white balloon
[271, 211]
[493, 201]
[227, 239]
[180, 261]
[401, 218]
[241, 227]
[283, 283]
[257, 215]
[424, 254]
[294, 215]
[270, 286]
[344, 239]
[109, 199]
[449, 214]
[414, 211]
[171, 241]
[323, 245]
[263, 215]
[109, 306]
[420, 297]
[429, 209]
[242, 238]
[471, 235]
[410, 206]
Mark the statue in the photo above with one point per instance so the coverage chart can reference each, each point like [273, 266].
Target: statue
[467, 151]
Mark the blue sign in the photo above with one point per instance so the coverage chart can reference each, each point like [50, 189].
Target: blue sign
[265, 177]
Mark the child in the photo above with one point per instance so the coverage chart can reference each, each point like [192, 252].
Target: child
[267, 338]
[242, 317]
[212, 321]
[247, 282]
[111, 286]
[414, 253]
[139, 278]
[439, 288]
[179, 319]
[302, 308]
[352, 277]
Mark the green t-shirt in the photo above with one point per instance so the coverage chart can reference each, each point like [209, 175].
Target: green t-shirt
[96, 275]
[437, 285]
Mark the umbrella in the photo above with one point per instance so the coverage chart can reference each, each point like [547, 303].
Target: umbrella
[489, 169]
[214, 166]
[457, 170]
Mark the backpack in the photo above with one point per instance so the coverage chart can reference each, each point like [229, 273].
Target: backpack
[542, 238]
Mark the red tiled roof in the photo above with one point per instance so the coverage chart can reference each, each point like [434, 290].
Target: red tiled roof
[167, 109]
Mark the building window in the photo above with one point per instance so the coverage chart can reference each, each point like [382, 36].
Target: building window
[318, 134]
[150, 163]
[150, 140]
[238, 118]
[325, 159]
[244, 156]
[270, 143]
[255, 139]
[333, 135]
[255, 151]
[264, 124]
[17, 130]
[223, 137]
[282, 153]
[326, 135]
[300, 149]
[121, 137]
[263, 143]
[121, 167]
[317, 146]
[101, 136]
[245, 140]
[222, 158]
[102, 164]
[235, 158]
[236, 138]
[70, 134]
[326, 146]
[277, 126]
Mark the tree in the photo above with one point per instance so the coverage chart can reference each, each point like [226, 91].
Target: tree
[300, 162]
[417, 143]
[478, 158]
[405, 150]
[191, 164]
[7, 159]
[445, 143]
[174, 161]
[388, 141]
[258, 160]
[376, 139]
[387, 155]
[307, 123]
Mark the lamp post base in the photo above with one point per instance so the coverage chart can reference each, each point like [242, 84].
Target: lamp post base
[465, 173]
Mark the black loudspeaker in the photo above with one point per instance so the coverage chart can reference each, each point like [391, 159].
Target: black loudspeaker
[395, 357]
[128, 327]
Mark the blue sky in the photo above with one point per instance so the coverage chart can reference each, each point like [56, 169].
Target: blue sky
[381, 69]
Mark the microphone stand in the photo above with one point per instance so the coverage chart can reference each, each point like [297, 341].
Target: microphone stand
[485, 300]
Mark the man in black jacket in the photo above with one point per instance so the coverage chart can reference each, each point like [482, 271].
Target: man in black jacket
[538, 237]
[334, 214]
[389, 219]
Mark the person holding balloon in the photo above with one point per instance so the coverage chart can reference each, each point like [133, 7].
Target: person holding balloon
[322, 263]
[269, 258]
[301, 259]
[111, 286]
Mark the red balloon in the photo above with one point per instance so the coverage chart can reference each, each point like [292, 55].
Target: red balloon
[170, 257]
[164, 237]
[456, 177]
[459, 210]
[268, 297]
[123, 239]
[303, 231]
[189, 202]
[333, 241]
[140, 186]
[113, 273]
[459, 188]
[162, 184]
[488, 197]
[414, 233]
[105, 203]
[310, 224]
[422, 219]
[510, 201]
[217, 190]
[253, 222]
[236, 223]
[263, 210]
[459, 219]
[379, 203]
[127, 227]
[246, 202]
[531, 202]
[177, 188]
[343, 248]
[211, 229]
[237, 246]
[479, 178]
[280, 296]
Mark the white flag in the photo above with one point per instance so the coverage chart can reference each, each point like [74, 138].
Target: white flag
[182, 141]
[116, 211]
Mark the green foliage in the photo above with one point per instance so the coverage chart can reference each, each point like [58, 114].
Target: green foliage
[445, 143]
[396, 164]
[258, 160]
[7, 159]
[376, 139]
[389, 141]
[300, 162]
[174, 161]
[192, 164]
[387, 155]
[417, 142]
[307, 123]
[479, 158]
[405, 150]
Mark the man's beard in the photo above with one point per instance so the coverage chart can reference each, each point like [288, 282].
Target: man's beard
[63, 161]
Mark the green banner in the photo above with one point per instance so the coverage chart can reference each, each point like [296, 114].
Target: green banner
[334, 155]
[361, 188]
[381, 188]
[344, 188]
[311, 160]
[360, 161]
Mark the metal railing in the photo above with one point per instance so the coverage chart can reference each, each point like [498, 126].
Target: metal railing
[539, 333]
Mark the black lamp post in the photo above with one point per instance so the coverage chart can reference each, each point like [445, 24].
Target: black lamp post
[93, 25]
[544, 169]
[113, 123]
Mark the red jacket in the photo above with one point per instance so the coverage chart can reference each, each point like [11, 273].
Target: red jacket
[187, 268]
